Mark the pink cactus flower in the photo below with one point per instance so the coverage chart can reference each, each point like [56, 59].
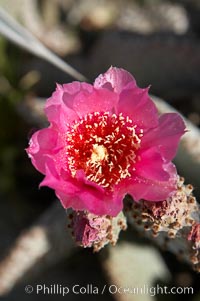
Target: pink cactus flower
[105, 141]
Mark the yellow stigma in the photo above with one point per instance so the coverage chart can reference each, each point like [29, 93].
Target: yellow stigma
[99, 153]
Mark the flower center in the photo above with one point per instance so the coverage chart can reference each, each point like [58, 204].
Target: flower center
[104, 146]
[99, 153]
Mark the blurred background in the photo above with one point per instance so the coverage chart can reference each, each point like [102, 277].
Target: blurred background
[158, 41]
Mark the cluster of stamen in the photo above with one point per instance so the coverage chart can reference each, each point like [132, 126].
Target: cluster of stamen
[104, 146]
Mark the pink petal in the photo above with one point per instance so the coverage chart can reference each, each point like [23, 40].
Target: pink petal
[97, 100]
[42, 144]
[75, 87]
[115, 79]
[70, 91]
[53, 180]
[152, 190]
[136, 104]
[57, 111]
[166, 136]
[98, 204]
[83, 98]
[72, 101]
[151, 165]
[80, 193]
